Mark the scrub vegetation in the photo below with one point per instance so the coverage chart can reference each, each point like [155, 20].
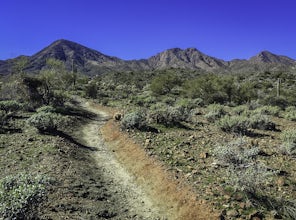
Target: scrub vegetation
[231, 137]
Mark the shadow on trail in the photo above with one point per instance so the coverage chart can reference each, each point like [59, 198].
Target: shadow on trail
[72, 140]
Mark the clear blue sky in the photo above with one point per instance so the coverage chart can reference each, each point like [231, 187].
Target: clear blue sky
[134, 29]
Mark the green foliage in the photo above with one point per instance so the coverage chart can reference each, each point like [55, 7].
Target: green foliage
[46, 108]
[235, 153]
[167, 115]
[290, 113]
[3, 118]
[234, 124]
[10, 106]
[240, 110]
[243, 173]
[273, 100]
[46, 121]
[21, 194]
[91, 90]
[269, 110]
[214, 112]
[164, 83]
[134, 120]
[288, 138]
[288, 135]
[20, 65]
[262, 122]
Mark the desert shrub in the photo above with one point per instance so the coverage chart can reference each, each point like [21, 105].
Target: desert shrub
[167, 115]
[10, 106]
[250, 179]
[288, 138]
[235, 124]
[244, 174]
[46, 121]
[189, 103]
[164, 83]
[21, 194]
[134, 120]
[286, 208]
[279, 101]
[46, 108]
[214, 112]
[252, 105]
[288, 148]
[262, 122]
[240, 110]
[58, 99]
[269, 110]
[91, 90]
[3, 118]
[290, 113]
[235, 153]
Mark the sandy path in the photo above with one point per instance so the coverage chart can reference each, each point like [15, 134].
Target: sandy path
[137, 204]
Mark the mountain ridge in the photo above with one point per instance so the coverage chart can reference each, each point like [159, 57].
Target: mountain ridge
[92, 62]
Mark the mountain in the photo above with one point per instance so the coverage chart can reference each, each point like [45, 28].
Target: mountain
[92, 62]
[83, 58]
[268, 57]
[263, 61]
[189, 58]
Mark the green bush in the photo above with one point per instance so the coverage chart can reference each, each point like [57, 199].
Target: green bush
[235, 124]
[21, 194]
[244, 174]
[262, 122]
[59, 98]
[167, 115]
[251, 179]
[214, 112]
[164, 83]
[46, 121]
[269, 110]
[46, 108]
[134, 120]
[10, 106]
[235, 153]
[240, 110]
[290, 113]
[288, 138]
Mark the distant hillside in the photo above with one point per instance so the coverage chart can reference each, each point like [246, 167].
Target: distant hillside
[92, 62]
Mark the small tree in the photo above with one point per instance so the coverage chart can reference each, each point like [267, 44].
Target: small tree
[163, 84]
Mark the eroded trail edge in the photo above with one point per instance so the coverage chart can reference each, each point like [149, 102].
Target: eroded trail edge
[145, 185]
[119, 181]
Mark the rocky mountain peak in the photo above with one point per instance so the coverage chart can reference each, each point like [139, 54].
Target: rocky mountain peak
[268, 57]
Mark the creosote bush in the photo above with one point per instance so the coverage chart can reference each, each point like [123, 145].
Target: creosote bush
[167, 115]
[21, 194]
[262, 122]
[46, 121]
[269, 110]
[46, 108]
[214, 112]
[134, 120]
[234, 124]
[288, 138]
[10, 106]
[290, 113]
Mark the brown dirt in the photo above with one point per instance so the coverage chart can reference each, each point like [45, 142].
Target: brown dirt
[173, 199]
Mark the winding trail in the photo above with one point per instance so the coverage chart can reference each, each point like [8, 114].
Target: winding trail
[137, 204]
[141, 187]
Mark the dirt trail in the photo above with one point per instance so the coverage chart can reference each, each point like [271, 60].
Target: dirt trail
[122, 185]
